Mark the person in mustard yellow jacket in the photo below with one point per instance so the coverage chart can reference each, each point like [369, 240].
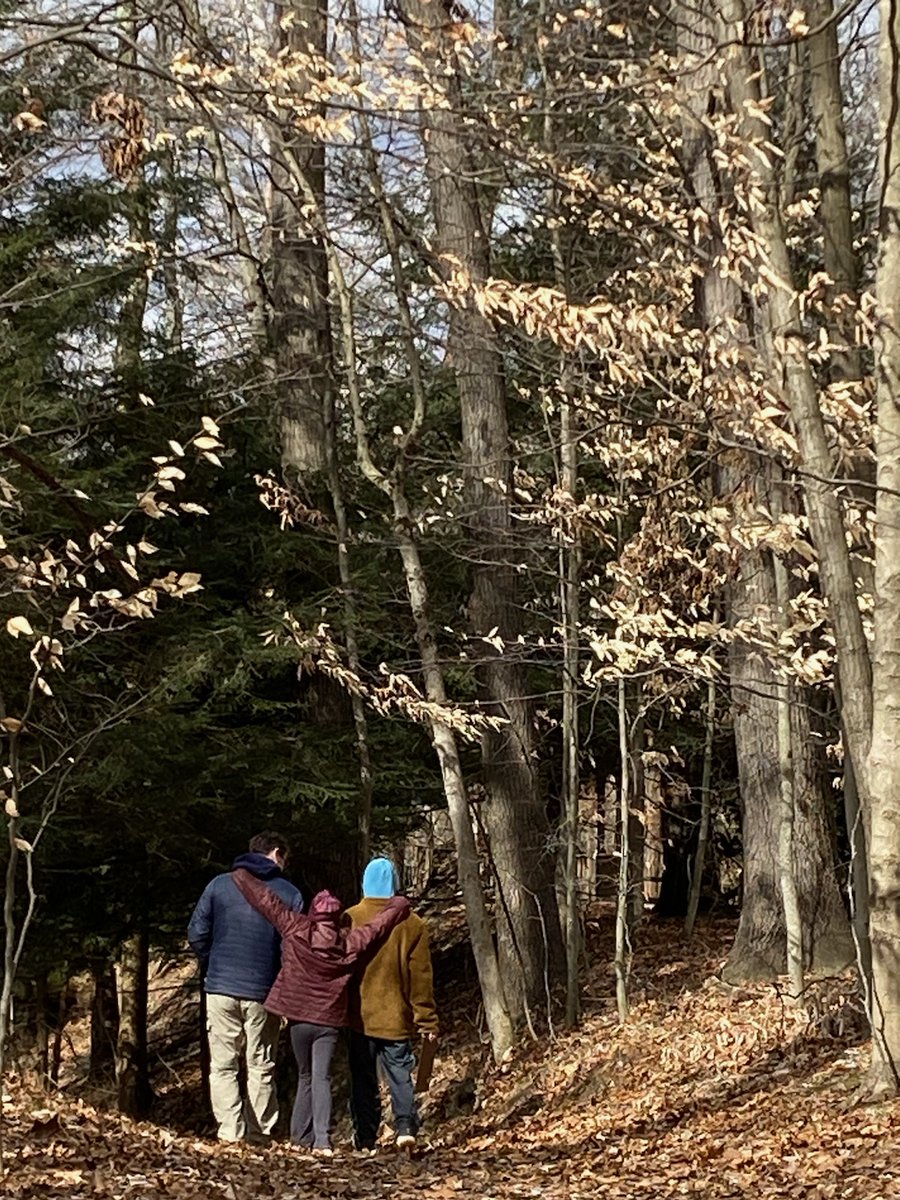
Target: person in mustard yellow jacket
[395, 1002]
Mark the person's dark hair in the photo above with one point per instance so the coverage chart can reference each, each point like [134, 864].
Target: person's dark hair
[267, 841]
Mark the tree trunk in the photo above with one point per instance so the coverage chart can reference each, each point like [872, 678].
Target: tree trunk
[705, 812]
[104, 1020]
[59, 1029]
[759, 950]
[490, 977]
[132, 1069]
[790, 901]
[884, 812]
[622, 960]
[500, 1026]
[299, 333]
[569, 576]
[835, 203]
[529, 936]
[637, 816]
[792, 374]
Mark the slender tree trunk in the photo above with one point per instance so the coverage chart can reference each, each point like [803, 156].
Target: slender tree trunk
[622, 959]
[529, 936]
[104, 1020]
[132, 1068]
[59, 1029]
[884, 812]
[570, 573]
[841, 263]
[500, 1025]
[493, 991]
[637, 816]
[351, 626]
[34, 1055]
[705, 812]
[858, 882]
[787, 804]
[13, 934]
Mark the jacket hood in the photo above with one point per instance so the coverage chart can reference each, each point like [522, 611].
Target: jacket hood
[379, 879]
[258, 865]
[324, 905]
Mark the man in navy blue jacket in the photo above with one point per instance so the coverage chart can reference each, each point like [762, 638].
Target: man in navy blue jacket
[240, 955]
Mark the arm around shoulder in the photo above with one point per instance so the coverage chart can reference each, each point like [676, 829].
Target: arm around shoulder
[396, 910]
[264, 900]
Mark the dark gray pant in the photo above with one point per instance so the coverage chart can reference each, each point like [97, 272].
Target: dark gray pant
[313, 1047]
[397, 1064]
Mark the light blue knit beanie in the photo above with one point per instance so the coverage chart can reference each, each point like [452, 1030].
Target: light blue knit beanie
[380, 880]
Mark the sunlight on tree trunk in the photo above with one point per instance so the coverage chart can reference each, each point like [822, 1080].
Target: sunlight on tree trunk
[793, 924]
[622, 960]
[884, 818]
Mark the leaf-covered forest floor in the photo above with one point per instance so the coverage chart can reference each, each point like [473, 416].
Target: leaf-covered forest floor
[706, 1091]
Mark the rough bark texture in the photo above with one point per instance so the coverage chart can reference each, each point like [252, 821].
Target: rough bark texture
[299, 334]
[759, 950]
[529, 936]
[790, 366]
[884, 808]
[835, 205]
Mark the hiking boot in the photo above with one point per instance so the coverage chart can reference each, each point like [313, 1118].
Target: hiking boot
[323, 1152]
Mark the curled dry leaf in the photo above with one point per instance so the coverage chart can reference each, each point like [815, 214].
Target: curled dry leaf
[17, 625]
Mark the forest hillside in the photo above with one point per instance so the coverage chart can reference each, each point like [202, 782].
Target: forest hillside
[459, 441]
[709, 1091]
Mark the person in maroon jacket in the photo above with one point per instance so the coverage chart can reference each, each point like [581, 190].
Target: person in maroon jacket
[318, 955]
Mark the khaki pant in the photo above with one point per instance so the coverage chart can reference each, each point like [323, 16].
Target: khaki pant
[240, 1029]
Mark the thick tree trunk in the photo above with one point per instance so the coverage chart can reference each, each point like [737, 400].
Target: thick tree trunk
[299, 333]
[759, 949]
[529, 935]
[792, 372]
[835, 202]
[132, 1073]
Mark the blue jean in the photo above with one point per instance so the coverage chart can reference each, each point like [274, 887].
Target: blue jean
[313, 1047]
[397, 1064]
